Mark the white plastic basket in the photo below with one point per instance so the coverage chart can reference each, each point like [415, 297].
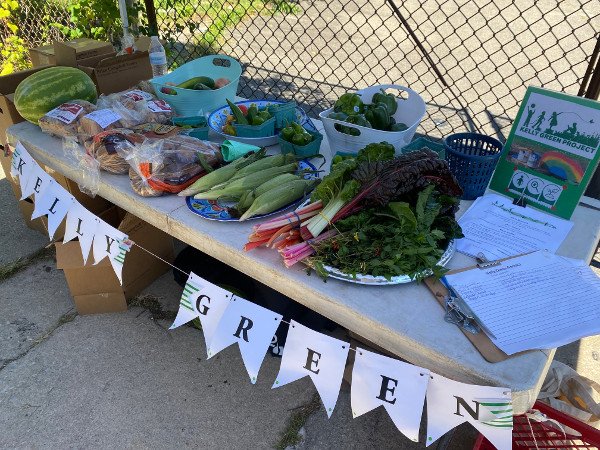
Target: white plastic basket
[410, 112]
[189, 102]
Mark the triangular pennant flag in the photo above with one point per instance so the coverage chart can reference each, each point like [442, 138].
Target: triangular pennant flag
[397, 386]
[54, 201]
[21, 162]
[321, 357]
[81, 224]
[252, 327]
[38, 180]
[108, 242]
[488, 409]
[201, 298]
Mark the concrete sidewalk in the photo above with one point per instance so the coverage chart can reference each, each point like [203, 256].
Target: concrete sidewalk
[124, 380]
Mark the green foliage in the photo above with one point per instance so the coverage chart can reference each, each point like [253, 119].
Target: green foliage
[14, 53]
[402, 239]
[95, 19]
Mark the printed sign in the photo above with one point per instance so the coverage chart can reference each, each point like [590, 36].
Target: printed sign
[551, 152]
[66, 113]
[159, 106]
[138, 96]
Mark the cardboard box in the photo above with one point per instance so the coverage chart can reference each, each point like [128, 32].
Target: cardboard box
[96, 288]
[83, 48]
[111, 73]
[96, 204]
[8, 113]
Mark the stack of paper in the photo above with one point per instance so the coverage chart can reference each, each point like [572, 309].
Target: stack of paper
[535, 301]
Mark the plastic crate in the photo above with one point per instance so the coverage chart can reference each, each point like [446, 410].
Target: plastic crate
[472, 158]
[284, 113]
[256, 131]
[531, 435]
[421, 142]
[189, 102]
[307, 150]
[410, 112]
[199, 126]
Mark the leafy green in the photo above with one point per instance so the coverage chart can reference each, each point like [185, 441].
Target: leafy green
[400, 239]
[381, 151]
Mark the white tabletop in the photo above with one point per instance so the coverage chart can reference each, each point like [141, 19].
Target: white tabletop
[405, 319]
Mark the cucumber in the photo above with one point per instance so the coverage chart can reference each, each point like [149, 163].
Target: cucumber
[192, 82]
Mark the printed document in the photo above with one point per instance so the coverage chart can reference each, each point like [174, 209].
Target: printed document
[534, 301]
[495, 228]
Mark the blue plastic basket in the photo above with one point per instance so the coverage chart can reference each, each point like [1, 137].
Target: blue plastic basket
[310, 149]
[472, 158]
[189, 102]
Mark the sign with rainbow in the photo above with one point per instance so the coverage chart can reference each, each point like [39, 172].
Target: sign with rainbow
[551, 152]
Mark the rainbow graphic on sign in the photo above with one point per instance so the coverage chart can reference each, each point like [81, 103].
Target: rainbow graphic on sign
[561, 166]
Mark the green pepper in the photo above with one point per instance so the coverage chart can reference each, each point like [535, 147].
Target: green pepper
[389, 100]
[264, 114]
[252, 113]
[398, 127]
[360, 120]
[349, 104]
[301, 139]
[287, 133]
[229, 129]
[378, 116]
[256, 121]
[237, 113]
[338, 116]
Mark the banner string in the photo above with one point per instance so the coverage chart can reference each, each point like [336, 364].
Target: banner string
[163, 260]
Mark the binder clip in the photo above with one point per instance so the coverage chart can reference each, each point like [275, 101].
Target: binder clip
[458, 313]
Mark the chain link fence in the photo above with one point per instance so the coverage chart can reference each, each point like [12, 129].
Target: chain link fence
[470, 60]
[33, 19]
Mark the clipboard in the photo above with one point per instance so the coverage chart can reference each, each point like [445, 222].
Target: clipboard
[480, 339]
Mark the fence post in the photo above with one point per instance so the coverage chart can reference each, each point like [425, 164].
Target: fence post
[151, 14]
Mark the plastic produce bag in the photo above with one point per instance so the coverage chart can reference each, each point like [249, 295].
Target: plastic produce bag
[88, 166]
[137, 106]
[567, 391]
[98, 121]
[63, 121]
[111, 147]
[172, 164]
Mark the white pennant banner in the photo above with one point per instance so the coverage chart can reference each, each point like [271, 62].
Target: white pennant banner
[201, 298]
[112, 243]
[81, 224]
[252, 327]
[54, 201]
[21, 163]
[397, 386]
[321, 357]
[37, 181]
[488, 409]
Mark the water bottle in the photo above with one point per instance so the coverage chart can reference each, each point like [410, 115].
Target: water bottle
[158, 57]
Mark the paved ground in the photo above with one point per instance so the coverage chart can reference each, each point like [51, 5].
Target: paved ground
[123, 380]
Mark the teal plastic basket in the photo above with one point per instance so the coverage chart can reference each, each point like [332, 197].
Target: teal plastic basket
[256, 131]
[189, 102]
[422, 142]
[284, 113]
[310, 149]
[199, 126]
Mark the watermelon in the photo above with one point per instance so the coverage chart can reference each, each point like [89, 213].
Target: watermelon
[45, 90]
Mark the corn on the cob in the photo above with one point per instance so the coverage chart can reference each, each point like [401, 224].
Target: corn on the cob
[265, 163]
[238, 187]
[274, 182]
[278, 197]
[245, 202]
[222, 174]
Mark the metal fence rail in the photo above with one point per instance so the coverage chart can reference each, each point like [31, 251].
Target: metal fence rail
[470, 60]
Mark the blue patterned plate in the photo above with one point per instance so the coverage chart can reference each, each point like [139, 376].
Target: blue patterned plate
[217, 119]
[217, 210]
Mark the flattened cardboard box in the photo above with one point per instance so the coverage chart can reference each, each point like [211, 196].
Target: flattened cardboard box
[94, 204]
[83, 47]
[8, 113]
[96, 288]
[110, 73]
